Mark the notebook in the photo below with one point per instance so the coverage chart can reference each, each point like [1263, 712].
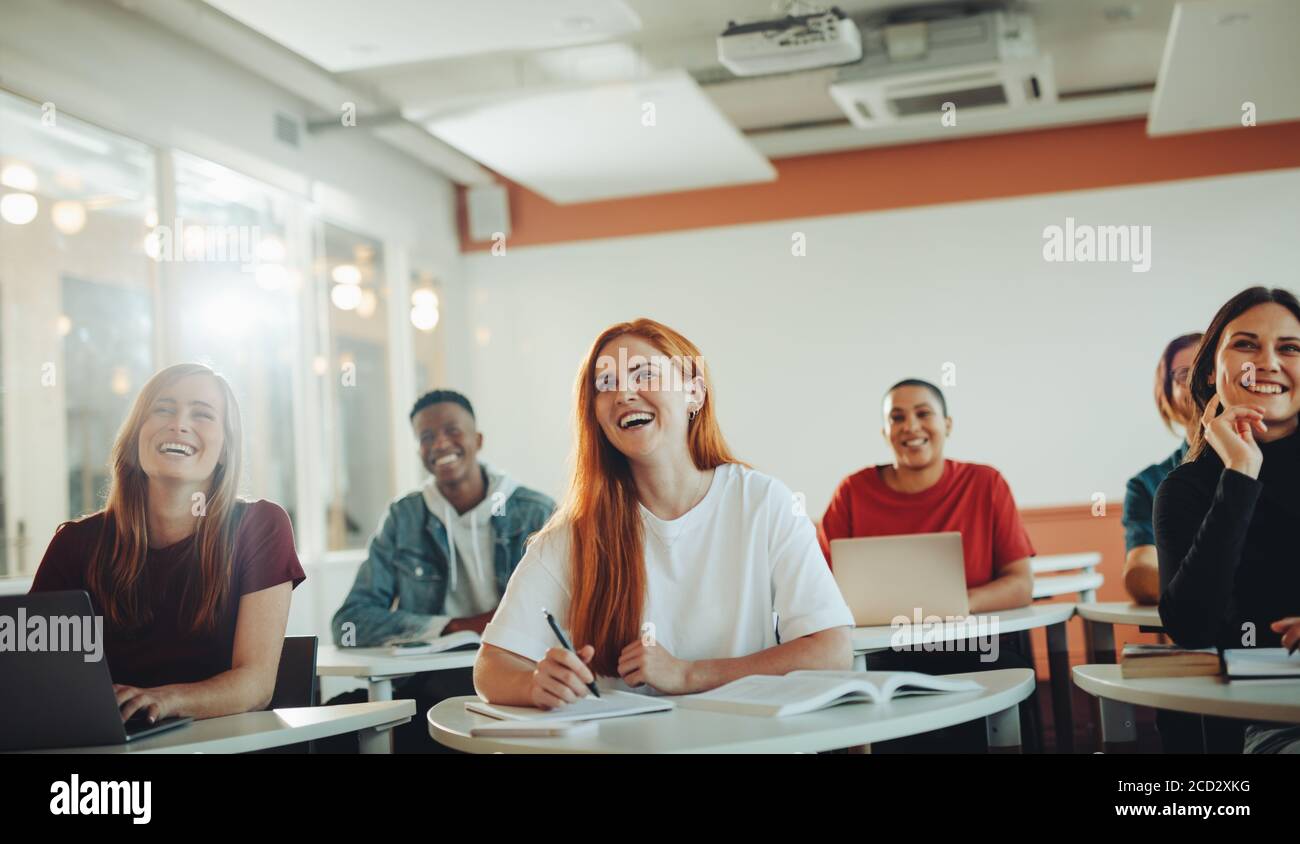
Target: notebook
[450, 642]
[1260, 664]
[610, 704]
[1167, 661]
[806, 691]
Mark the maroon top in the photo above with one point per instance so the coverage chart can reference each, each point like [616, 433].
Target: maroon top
[165, 650]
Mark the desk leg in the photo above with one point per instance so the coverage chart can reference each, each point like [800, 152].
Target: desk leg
[1058, 660]
[1004, 728]
[1102, 650]
[1118, 723]
[860, 662]
[376, 740]
[381, 688]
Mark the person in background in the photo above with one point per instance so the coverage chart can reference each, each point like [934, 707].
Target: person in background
[441, 558]
[193, 583]
[1225, 520]
[1174, 404]
[669, 559]
[922, 492]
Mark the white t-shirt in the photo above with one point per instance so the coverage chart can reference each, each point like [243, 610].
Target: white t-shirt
[715, 577]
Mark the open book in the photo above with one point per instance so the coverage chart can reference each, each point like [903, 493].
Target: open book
[1260, 664]
[610, 704]
[806, 691]
[452, 641]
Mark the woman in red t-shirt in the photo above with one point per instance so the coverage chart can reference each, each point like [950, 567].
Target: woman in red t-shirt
[193, 584]
[921, 492]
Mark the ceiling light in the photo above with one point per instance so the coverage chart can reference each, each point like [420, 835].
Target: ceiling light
[19, 177]
[346, 297]
[69, 216]
[346, 274]
[18, 208]
[424, 318]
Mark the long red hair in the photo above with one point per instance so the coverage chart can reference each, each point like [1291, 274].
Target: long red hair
[600, 511]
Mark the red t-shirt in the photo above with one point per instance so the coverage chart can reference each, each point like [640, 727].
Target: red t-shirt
[165, 650]
[969, 498]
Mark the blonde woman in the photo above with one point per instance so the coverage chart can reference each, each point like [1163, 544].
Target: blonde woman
[193, 583]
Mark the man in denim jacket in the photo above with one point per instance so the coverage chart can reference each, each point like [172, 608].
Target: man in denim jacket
[442, 555]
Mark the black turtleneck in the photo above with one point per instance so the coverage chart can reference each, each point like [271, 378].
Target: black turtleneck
[1229, 548]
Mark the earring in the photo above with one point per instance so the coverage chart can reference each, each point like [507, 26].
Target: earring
[690, 417]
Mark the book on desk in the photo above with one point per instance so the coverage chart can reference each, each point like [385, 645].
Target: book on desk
[1245, 664]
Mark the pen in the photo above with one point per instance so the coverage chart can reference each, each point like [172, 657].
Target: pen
[550, 619]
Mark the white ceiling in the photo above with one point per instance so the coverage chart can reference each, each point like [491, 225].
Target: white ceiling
[466, 69]
[1256, 60]
[342, 35]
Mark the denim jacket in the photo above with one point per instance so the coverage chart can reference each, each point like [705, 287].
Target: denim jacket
[403, 582]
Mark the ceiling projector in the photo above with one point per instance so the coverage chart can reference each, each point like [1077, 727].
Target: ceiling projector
[794, 42]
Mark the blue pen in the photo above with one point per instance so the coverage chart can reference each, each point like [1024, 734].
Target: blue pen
[550, 619]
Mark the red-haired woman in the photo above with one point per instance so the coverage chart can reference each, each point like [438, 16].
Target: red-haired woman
[669, 558]
[193, 584]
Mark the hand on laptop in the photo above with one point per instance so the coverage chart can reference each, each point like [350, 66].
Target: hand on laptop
[153, 704]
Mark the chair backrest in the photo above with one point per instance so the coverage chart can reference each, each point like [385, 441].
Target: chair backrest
[295, 680]
[1085, 581]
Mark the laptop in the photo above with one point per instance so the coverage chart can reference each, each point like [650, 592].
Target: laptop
[882, 577]
[55, 698]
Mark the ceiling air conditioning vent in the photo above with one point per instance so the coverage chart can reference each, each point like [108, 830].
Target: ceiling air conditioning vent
[984, 61]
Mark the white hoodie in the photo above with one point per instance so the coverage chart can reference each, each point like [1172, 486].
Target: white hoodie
[471, 579]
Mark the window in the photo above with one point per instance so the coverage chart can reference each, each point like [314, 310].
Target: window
[232, 304]
[355, 390]
[424, 313]
[97, 293]
[77, 299]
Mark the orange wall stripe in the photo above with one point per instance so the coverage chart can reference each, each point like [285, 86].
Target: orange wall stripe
[989, 167]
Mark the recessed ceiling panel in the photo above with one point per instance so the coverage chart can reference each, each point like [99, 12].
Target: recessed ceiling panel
[1225, 60]
[657, 135]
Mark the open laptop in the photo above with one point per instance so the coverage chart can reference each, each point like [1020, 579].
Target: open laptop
[55, 698]
[882, 577]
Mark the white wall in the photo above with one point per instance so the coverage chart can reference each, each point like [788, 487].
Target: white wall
[1054, 361]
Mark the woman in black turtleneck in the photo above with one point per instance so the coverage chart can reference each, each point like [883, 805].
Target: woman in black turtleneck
[1226, 520]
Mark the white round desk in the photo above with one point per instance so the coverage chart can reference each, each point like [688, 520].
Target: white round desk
[694, 731]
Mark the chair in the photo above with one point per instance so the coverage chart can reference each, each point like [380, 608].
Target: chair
[1086, 581]
[295, 683]
[295, 679]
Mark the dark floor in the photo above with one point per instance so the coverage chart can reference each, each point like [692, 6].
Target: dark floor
[1087, 727]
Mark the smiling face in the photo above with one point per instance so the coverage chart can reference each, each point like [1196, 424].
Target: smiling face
[1258, 362]
[915, 427]
[648, 417]
[183, 435]
[449, 442]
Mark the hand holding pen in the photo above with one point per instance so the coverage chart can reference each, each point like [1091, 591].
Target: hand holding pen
[563, 676]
